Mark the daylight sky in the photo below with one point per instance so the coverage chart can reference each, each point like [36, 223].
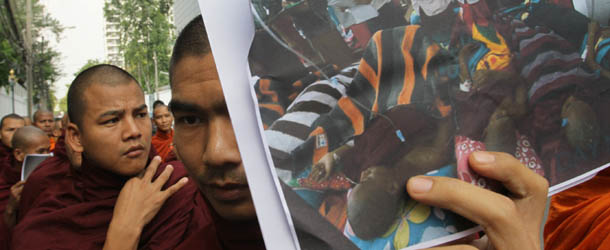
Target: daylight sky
[83, 40]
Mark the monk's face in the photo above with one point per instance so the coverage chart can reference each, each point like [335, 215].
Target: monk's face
[9, 127]
[163, 118]
[204, 138]
[115, 131]
[45, 122]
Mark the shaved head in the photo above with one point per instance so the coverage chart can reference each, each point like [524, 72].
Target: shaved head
[104, 74]
[28, 137]
[39, 114]
[43, 119]
[192, 41]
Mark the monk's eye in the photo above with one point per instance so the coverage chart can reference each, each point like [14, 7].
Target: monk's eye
[190, 120]
[142, 115]
[111, 121]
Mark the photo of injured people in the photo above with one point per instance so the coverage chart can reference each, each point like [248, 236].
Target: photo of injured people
[357, 96]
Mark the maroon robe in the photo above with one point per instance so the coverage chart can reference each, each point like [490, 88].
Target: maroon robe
[4, 152]
[9, 175]
[76, 211]
[222, 234]
[48, 173]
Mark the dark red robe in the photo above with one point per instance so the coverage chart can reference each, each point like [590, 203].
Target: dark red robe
[9, 175]
[75, 213]
[4, 152]
[222, 234]
[48, 173]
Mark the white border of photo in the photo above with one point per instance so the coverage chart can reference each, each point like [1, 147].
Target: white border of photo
[231, 30]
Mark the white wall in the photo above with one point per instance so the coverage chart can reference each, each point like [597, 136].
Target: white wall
[6, 104]
[165, 95]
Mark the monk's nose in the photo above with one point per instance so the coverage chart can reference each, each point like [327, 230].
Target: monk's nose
[221, 148]
[131, 130]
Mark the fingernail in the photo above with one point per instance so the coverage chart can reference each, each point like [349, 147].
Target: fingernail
[184, 180]
[157, 157]
[420, 185]
[483, 157]
[170, 167]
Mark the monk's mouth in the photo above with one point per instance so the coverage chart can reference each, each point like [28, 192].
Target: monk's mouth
[228, 192]
[134, 152]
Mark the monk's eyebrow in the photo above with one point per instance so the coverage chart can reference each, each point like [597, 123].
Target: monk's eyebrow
[180, 106]
[112, 113]
[143, 107]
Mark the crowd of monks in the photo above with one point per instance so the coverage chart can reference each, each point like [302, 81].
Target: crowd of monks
[111, 184]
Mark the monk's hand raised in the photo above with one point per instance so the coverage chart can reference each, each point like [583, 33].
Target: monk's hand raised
[10, 212]
[137, 204]
[510, 221]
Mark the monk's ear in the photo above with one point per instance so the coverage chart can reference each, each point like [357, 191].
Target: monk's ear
[18, 154]
[73, 138]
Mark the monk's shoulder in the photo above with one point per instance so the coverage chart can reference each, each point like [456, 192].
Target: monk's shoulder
[179, 172]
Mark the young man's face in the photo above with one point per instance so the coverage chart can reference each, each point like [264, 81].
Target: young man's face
[204, 138]
[115, 131]
[45, 122]
[8, 129]
[163, 118]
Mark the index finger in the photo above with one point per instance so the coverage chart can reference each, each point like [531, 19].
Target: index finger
[516, 177]
[174, 188]
[152, 168]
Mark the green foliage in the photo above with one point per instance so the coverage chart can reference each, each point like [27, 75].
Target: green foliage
[12, 49]
[89, 63]
[145, 30]
[63, 102]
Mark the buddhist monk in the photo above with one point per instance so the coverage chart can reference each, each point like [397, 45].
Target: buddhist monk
[9, 124]
[25, 141]
[44, 120]
[49, 171]
[162, 141]
[111, 129]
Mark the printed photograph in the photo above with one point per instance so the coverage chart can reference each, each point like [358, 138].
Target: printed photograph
[357, 96]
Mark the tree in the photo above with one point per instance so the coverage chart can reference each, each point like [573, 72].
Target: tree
[63, 102]
[88, 64]
[145, 35]
[12, 52]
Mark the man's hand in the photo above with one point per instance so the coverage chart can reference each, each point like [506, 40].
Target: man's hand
[323, 168]
[10, 212]
[137, 204]
[510, 222]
